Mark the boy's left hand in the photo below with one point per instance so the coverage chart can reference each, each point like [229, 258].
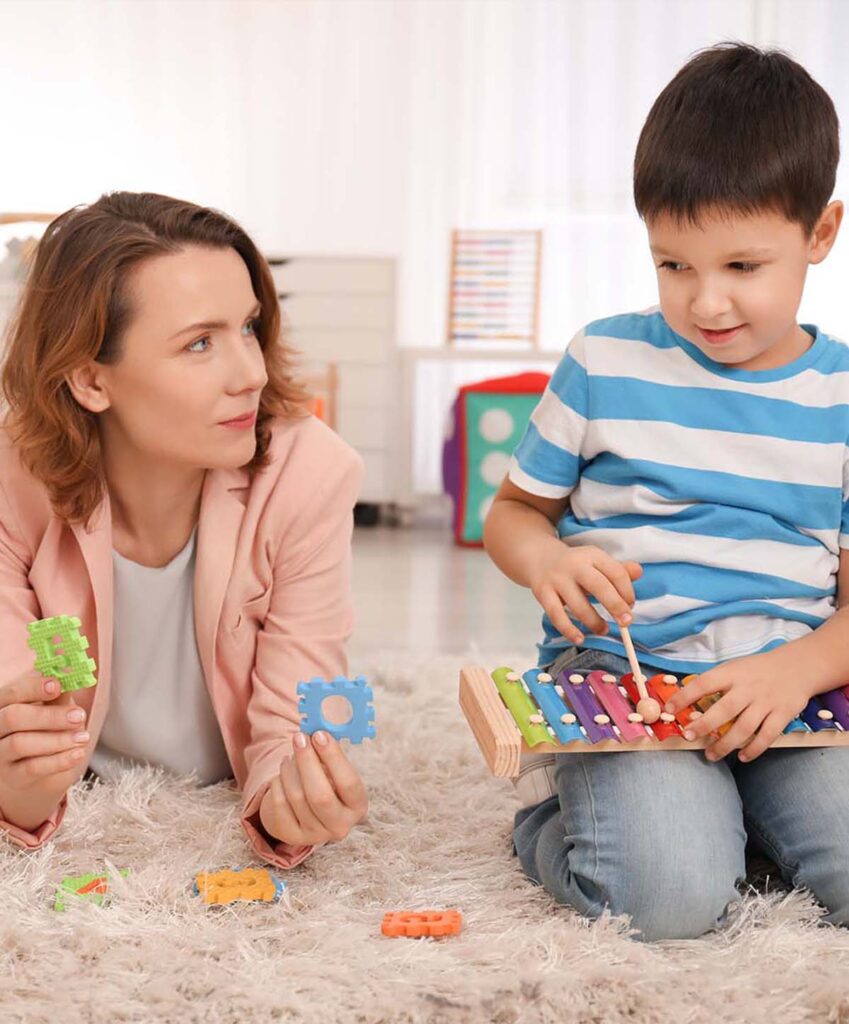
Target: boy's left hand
[763, 692]
[318, 795]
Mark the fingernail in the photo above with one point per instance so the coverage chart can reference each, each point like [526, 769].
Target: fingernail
[320, 738]
[689, 734]
[50, 687]
[710, 757]
[668, 709]
[80, 737]
[742, 757]
[78, 754]
[77, 715]
[625, 620]
[300, 740]
[579, 638]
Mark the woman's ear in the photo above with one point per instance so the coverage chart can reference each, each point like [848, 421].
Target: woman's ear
[88, 386]
[825, 232]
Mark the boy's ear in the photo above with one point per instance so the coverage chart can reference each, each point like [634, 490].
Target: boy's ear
[825, 232]
[88, 387]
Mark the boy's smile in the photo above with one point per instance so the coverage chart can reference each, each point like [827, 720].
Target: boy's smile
[732, 284]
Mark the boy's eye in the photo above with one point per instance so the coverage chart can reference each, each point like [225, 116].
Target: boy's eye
[743, 268]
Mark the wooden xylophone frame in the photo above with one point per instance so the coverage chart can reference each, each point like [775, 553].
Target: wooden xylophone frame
[502, 744]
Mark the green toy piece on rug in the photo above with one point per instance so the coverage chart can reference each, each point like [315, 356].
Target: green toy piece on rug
[90, 888]
[60, 651]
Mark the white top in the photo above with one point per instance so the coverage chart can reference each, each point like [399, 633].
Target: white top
[160, 710]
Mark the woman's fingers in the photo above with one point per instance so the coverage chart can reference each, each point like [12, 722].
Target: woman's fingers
[293, 790]
[30, 688]
[347, 784]
[40, 718]
[282, 821]
[32, 769]
[20, 745]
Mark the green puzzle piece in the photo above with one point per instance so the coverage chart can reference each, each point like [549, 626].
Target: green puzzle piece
[60, 651]
[90, 888]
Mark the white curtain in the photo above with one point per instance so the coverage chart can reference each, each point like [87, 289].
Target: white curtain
[373, 126]
[377, 126]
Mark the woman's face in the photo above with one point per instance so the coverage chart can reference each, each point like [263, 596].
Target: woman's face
[189, 363]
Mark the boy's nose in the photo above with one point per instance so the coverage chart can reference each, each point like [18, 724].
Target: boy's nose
[709, 305]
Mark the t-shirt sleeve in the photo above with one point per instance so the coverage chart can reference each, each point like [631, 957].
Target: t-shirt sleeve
[547, 461]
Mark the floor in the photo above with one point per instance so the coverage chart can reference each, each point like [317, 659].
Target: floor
[415, 590]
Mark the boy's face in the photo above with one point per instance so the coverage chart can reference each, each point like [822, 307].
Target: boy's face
[732, 285]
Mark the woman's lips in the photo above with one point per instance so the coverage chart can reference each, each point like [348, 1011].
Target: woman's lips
[721, 337]
[242, 423]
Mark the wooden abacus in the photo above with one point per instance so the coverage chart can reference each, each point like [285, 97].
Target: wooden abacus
[512, 714]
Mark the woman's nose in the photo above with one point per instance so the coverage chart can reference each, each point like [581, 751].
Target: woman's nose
[248, 371]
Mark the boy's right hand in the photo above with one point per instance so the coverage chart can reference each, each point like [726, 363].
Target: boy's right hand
[566, 576]
[42, 732]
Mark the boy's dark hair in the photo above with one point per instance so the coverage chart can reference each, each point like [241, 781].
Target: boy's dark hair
[741, 130]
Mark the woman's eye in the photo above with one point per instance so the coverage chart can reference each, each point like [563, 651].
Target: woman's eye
[745, 268]
[191, 348]
[670, 265]
[252, 326]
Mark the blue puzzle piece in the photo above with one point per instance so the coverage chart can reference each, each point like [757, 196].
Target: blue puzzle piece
[312, 695]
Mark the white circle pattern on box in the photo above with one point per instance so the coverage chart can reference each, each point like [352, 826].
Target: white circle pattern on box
[496, 425]
[494, 467]
[485, 506]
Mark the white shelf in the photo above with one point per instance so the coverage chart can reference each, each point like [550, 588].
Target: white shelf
[341, 309]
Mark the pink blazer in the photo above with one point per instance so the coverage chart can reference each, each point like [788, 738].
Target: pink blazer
[272, 597]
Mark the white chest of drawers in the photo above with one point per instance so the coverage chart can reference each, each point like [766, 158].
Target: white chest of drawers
[341, 310]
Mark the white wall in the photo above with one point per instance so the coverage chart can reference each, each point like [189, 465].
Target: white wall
[375, 127]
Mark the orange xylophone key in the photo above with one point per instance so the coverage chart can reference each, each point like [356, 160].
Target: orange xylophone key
[703, 703]
[663, 687]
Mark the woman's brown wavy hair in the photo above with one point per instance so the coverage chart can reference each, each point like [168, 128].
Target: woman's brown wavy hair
[74, 308]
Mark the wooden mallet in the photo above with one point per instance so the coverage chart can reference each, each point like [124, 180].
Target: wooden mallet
[647, 706]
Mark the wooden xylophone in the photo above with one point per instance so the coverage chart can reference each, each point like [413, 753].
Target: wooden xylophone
[512, 714]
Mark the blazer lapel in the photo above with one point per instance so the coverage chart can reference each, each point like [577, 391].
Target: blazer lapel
[221, 511]
[95, 543]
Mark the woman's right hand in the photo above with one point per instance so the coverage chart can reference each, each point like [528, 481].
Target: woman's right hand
[566, 575]
[42, 733]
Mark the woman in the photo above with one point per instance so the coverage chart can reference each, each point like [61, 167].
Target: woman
[160, 480]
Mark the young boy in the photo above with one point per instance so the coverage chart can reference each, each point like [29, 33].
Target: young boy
[686, 474]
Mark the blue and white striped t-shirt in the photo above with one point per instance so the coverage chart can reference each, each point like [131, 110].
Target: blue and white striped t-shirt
[728, 486]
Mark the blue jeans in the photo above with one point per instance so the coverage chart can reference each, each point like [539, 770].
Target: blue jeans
[661, 837]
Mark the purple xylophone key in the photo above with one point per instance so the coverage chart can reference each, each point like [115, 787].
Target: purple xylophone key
[583, 702]
[815, 721]
[838, 704]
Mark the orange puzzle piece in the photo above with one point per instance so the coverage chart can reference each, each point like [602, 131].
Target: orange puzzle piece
[222, 887]
[413, 924]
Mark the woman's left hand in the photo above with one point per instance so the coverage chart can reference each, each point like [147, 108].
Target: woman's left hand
[318, 796]
[760, 694]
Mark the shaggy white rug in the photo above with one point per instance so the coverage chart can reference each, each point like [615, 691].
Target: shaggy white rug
[438, 835]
